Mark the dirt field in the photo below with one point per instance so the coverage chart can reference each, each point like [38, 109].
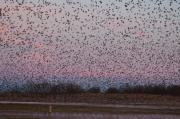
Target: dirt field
[90, 106]
[85, 116]
[96, 98]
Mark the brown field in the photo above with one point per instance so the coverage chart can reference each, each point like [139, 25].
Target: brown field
[33, 108]
[134, 106]
[98, 98]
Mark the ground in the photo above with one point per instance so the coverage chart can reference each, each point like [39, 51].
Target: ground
[97, 98]
[92, 105]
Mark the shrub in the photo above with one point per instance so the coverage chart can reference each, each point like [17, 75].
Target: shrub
[72, 88]
[94, 90]
[57, 89]
[153, 89]
[112, 90]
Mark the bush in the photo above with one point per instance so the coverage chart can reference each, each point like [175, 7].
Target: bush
[57, 89]
[72, 88]
[153, 89]
[112, 90]
[94, 90]
[173, 90]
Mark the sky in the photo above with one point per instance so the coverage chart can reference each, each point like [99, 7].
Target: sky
[90, 42]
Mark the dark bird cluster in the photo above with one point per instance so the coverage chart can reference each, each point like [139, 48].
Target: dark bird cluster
[112, 39]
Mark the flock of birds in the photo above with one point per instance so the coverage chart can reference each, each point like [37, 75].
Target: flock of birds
[110, 39]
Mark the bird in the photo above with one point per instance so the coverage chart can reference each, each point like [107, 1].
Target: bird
[117, 38]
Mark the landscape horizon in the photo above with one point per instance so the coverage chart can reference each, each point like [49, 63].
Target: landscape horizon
[94, 59]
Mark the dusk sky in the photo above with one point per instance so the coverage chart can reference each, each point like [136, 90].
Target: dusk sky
[91, 40]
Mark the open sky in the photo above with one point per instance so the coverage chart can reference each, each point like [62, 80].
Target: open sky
[134, 41]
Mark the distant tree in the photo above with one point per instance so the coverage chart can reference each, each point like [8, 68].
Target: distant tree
[73, 88]
[20, 2]
[112, 90]
[94, 90]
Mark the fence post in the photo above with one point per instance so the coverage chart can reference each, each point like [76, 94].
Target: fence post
[50, 108]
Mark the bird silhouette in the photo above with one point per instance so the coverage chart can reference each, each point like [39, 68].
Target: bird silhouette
[103, 39]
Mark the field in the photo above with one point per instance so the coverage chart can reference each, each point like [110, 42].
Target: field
[31, 110]
[87, 116]
[95, 98]
[90, 106]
